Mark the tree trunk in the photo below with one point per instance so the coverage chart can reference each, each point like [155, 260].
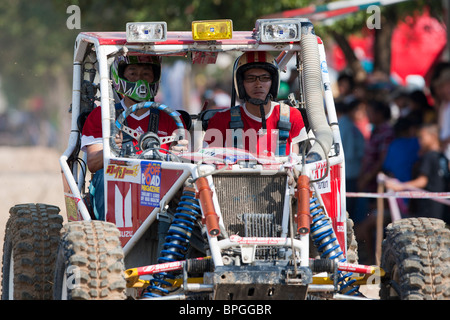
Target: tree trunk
[352, 61]
[382, 45]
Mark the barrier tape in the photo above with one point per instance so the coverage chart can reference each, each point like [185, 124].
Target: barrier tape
[400, 194]
[416, 193]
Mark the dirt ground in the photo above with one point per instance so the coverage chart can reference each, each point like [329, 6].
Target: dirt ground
[28, 175]
[32, 174]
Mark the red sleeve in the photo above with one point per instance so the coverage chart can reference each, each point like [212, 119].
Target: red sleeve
[93, 124]
[297, 123]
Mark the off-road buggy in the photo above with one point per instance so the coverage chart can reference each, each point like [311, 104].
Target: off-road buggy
[211, 223]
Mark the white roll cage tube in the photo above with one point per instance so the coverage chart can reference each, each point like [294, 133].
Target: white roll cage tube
[74, 134]
[102, 53]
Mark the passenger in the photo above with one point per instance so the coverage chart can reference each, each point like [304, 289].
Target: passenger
[136, 78]
[254, 126]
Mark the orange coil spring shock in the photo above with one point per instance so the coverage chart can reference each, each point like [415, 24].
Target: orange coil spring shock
[206, 202]
[303, 212]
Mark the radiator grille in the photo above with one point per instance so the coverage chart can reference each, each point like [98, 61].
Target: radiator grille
[251, 205]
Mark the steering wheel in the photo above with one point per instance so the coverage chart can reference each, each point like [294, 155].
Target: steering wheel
[150, 140]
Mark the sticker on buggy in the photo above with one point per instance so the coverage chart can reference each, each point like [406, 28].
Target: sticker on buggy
[150, 183]
[122, 172]
[323, 185]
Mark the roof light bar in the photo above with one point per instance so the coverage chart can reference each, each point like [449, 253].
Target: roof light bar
[278, 30]
[146, 31]
[212, 29]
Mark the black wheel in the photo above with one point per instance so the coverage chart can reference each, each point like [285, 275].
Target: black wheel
[89, 264]
[416, 259]
[29, 252]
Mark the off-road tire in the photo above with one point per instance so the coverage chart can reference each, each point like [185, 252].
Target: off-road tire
[29, 252]
[89, 264]
[416, 259]
[352, 244]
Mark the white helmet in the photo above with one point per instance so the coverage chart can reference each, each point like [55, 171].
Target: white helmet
[255, 59]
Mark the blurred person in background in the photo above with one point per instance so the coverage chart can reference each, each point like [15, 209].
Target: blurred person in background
[353, 143]
[402, 155]
[382, 134]
[360, 114]
[400, 101]
[441, 92]
[432, 175]
[346, 87]
[421, 110]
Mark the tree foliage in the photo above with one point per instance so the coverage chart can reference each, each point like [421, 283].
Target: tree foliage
[389, 16]
[37, 46]
[31, 49]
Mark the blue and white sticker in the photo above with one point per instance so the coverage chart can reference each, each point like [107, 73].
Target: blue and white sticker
[150, 183]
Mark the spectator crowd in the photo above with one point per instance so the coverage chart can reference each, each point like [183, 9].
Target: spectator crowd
[401, 131]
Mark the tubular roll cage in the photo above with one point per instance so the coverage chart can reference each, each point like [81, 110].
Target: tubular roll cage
[109, 44]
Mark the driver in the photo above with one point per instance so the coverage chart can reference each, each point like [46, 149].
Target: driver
[260, 125]
[136, 78]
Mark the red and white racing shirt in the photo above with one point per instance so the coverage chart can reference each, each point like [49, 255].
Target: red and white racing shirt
[92, 129]
[255, 140]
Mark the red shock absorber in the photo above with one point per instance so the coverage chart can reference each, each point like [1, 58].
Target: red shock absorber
[206, 202]
[303, 213]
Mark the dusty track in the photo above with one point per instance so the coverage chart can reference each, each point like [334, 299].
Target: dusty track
[27, 175]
